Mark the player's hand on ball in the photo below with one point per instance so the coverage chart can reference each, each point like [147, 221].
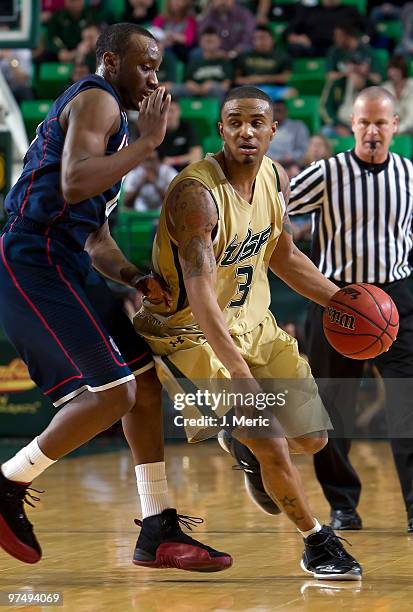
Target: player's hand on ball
[361, 321]
[153, 113]
[154, 289]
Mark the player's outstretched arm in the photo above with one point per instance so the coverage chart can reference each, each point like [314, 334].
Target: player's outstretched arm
[192, 217]
[109, 260]
[293, 266]
[89, 120]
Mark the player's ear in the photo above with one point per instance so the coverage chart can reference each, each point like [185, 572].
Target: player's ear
[220, 129]
[110, 61]
[274, 127]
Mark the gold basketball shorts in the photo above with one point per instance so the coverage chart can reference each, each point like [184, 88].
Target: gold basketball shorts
[185, 362]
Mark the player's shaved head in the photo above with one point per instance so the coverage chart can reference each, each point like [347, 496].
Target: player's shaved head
[246, 92]
[376, 94]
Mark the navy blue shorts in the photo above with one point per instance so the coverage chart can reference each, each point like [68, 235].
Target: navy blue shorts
[63, 320]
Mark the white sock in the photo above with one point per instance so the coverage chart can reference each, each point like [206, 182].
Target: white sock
[315, 529]
[28, 463]
[152, 488]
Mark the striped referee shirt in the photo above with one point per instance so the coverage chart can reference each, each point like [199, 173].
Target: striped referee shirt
[362, 229]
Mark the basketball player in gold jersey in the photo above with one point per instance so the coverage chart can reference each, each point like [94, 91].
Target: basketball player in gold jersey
[223, 224]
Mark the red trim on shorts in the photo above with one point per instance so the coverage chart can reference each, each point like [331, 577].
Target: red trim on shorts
[33, 307]
[138, 358]
[61, 383]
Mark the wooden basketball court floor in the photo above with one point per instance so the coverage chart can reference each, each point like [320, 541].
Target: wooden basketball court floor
[85, 526]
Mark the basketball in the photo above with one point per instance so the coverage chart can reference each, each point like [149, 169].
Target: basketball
[361, 321]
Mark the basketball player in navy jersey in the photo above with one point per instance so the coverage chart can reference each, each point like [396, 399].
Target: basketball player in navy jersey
[58, 312]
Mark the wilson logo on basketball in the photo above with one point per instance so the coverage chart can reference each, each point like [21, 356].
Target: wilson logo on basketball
[340, 318]
[15, 377]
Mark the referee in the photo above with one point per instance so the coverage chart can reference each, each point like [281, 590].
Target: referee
[363, 205]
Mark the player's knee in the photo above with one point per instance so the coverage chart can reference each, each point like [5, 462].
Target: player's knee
[148, 391]
[270, 452]
[312, 444]
[119, 400]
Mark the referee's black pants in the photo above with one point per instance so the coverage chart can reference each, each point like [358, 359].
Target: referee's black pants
[339, 480]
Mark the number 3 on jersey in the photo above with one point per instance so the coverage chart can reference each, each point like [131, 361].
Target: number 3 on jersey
[243, 287]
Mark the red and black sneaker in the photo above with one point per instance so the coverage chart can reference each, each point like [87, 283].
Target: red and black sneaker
[16, 531]
[163, 544]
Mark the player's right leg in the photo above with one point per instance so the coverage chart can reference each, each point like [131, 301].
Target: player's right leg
[70, 356]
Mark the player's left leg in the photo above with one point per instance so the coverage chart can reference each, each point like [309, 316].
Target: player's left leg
[161, 542]
[275, 362]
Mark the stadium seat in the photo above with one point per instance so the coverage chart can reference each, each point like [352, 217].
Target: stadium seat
[212, 144]
[360, 5]
[134, 233]
[383, 57]
[392, 29]
[403, 145]
[341, 143]
[277, 28]
[33, 113]
[180, 71]
[309, 75]
[203, 112]
[115, 7]
[54, 77]
[307, 109]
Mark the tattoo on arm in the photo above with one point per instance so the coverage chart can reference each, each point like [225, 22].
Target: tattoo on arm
[198, 256]
[194, 216]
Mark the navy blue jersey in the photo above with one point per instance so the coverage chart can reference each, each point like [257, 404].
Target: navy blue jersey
[37, 195]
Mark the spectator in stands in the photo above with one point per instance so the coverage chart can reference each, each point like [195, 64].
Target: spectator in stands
[406, 45]
[311, 31]
[402, 89]
[235, 25]
[351, 66]
[260, 8]
[265, 66]
[180, 145]
[179, 26]
[48, 7]
[146, 185]
[140, 12]
[210, 75]
[348, 51]
[291, 139]
[385, 11]
[86, 49]
[16, 67]
[64, 30]
[318, 148]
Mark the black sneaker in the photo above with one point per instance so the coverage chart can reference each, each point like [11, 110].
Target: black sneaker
[16, 531]
[163, 544]
[326, 558]
[343, 520]
[252, 472]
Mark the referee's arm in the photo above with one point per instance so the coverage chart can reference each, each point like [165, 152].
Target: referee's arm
[292, 266]
[307, 190]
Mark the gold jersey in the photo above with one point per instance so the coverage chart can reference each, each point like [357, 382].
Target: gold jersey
[244, 241]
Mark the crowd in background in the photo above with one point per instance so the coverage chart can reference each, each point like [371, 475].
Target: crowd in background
[218, 44]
